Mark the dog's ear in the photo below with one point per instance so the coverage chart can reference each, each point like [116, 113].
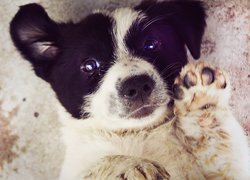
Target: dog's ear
[35, 36]
[187, 17]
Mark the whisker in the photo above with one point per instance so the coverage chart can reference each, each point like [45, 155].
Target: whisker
[173, 71]
[144, 106]
[156, 19]
[153, 20]
[153, 62]
[170, 66]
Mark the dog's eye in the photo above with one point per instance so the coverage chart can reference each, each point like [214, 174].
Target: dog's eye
[89, 65]
[151, 45]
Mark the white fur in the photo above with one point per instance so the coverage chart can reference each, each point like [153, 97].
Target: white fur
[87, 145]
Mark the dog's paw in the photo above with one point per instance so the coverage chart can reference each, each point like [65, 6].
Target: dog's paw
[144, 170]
[127, 168]
[199, 87]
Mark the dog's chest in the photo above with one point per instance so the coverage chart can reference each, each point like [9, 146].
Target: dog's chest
[86, 147]
[150, 144]
[99, 142]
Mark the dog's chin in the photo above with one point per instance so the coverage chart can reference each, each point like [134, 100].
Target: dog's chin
[142, 112]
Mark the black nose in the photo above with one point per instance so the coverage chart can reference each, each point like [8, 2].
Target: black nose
[137, 87]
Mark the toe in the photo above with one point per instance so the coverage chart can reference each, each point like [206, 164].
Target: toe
[221, 82]
[189, 79]
[178, 92]
[207, 76]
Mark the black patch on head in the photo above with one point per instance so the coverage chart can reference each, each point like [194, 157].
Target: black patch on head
[162, 36]
[71, 57]
[187, 17]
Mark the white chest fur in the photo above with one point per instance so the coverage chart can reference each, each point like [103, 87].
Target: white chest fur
[86, 146]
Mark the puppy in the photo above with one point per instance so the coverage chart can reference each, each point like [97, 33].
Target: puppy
[154, 32]
[114, 71]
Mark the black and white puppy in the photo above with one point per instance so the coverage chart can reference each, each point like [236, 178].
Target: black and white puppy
[75, 58]
[113, 69]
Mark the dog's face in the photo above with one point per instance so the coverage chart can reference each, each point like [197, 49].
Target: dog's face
[115, 66]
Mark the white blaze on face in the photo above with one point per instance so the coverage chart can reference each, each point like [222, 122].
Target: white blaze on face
[124, 18]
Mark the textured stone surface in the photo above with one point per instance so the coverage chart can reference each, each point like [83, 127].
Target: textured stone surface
[30, 146]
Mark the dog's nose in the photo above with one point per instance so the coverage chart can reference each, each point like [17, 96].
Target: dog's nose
[137, 87]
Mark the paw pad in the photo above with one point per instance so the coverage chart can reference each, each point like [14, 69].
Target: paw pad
[220, 80]
[177, 92]
[207, 76]
[203, 77]
[190, 79]
[200, 86]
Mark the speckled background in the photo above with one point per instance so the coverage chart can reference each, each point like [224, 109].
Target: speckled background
[30, 146]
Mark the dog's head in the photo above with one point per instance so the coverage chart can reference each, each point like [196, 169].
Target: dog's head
[114, 66]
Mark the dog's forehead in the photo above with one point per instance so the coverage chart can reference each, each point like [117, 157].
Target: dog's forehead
[123, 20]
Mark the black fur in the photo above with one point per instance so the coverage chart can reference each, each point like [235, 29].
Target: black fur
[91, 38]
[187, 18]
[175, 24]
[57, 51]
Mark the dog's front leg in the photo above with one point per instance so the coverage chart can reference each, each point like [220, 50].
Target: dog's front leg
[126, 167]
[205, 124]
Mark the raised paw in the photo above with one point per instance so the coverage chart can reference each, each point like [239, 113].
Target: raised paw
[144, 170]
[200, 86]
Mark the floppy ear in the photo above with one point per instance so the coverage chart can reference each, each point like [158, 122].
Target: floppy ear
[187, 17]
[35, 36]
